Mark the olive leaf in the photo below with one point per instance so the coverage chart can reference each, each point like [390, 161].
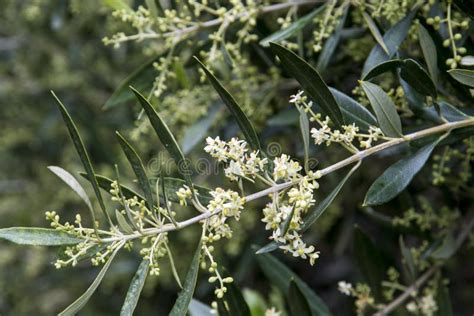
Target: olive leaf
[74, 185]
[418, 78]
[235, 304]
[293, 28]
[81, 150]
[354, 112]
[443, 300]
[397, 177]
[370, 262]
[464, 76]
[236, 111]
[375, 31]
[122, 222]
[281, 276]
[299, 306]
[429, 52]
[180, 307]
[138, 169]
[33, 236]
[408, 260]
[105, 184]
[166, 137]
[315, 213]
[135, 288]
[384, 109]
[197, 308]
[78, 304]
[304, 127]
[117, 4]
[393, 38]
[381, 68]
[141, 78]
[312, 83]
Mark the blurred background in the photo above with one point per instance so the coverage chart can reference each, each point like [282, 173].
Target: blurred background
[57, 45]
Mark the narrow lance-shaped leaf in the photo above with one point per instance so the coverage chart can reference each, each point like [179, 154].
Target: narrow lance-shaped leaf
[280, 276]
[299, 306]
[312, 83]
[381, 68]
[418, 78]
[172, 185]
[370, 262]
[353, 111]
[33, 236]
[384, 109]
[293, 28]
[122, 222]
[393, 38]
[304, 127]
[235, 304]
[141, 78]
[375, 31]
[135, 288]
[443, 300]
[397, 177]
[165, 199]
[166, 137]
[81, 150]
[138, 169]
[181, 305]
[314, 214]
[234, 108]
[76, 187]
[429, 52]
[408, 260]
[78, 304]
[464, 76]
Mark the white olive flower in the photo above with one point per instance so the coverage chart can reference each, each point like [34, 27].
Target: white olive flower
[344, 287]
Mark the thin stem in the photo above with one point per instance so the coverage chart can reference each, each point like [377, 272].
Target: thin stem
[278, 187]
[412, 288]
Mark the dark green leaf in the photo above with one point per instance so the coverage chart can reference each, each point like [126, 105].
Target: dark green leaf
[81, 150]
[381, 68]
[297, 302]
[172, 185]
[138, 169]
[315, 213]
[393, 38]
[280, 276]
[354, 112]
[105, 184]
[293, 28]
[312, 83]
[165, 198]
[370, 262]
[166, 138]
[78, 304]
[235, 304]
[37, 236]
[141, 79]
[418, 78]
[408, 260]
[375, 31]
[464, 76]
[397, 177]
[443, 300]
[384, 109]
[304, 127]
[135, 288]
[235, 109]
[181, 305]
[429, 52]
